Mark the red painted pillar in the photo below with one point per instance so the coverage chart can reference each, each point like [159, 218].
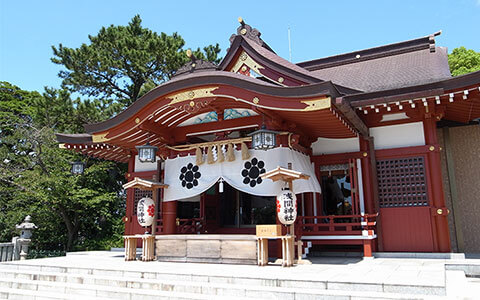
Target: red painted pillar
[367, 177]
[439, 209]
[169, 214]
[370, 184]
[308, 202]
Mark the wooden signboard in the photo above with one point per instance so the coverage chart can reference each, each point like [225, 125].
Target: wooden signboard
[269, 230]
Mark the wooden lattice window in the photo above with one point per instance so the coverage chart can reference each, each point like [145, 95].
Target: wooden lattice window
[139, 194]
[402, 182]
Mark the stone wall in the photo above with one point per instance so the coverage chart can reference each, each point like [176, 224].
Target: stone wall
[465, 152]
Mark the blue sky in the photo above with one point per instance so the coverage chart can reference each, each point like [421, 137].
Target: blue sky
[28, 29]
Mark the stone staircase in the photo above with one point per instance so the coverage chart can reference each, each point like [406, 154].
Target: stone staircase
[49, 281]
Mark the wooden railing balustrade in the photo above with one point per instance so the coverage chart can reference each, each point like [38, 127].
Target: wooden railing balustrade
[335, 225]
[194, 225]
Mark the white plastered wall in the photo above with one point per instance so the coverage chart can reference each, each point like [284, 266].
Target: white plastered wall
[144, 167]
[398, 136]
[331, 146]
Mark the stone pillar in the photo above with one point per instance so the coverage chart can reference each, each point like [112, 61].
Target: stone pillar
[169, 214]
[439, 210]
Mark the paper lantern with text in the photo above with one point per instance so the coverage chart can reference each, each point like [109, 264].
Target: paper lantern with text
[145, 211]
[287, 207]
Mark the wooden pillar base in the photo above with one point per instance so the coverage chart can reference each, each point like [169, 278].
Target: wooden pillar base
[262, 254]
[130, 248]
[367, 248]
[148, 248]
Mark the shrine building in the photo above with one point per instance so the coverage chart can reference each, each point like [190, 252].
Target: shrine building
[386, 139]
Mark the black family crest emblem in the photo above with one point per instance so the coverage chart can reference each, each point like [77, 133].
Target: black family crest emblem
[189, 176]
[252, 171]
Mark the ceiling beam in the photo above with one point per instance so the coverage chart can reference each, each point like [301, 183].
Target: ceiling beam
[344, 107]
[161, 132]
[180, 133]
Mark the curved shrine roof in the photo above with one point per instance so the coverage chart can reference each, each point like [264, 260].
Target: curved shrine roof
[353, 83]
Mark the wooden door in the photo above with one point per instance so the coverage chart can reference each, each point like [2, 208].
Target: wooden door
[405, 205]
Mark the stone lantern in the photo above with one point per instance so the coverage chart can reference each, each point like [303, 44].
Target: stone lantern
[26, 230]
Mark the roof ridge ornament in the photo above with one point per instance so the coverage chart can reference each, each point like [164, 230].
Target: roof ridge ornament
[431, 40]
[195, 64]
[249, 32]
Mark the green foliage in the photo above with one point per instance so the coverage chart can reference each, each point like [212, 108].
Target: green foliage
[15, 105]
[463, 61]
[120, 64]
[35, 175]
[121, 60]
[33, 254]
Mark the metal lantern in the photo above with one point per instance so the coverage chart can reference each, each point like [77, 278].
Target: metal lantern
[263, 139]
[286, 207]
[147, 153]
[78, 168]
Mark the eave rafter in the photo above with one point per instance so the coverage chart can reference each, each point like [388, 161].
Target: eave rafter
[460, 105]
[99, 150]
[161, 132]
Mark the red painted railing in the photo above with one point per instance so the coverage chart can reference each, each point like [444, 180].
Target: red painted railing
[194, 225]
[335, 225]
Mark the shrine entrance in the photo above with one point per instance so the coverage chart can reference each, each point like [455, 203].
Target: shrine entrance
[229, 211]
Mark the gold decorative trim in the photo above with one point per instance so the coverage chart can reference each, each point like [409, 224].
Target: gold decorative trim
[280, 79]
[192, 94]
[62, 146]
[317, 104]
[137, 120]
[245, 59]
[255, 100]
[100, 138]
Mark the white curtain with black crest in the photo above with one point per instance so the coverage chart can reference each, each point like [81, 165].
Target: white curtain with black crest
[187, 180]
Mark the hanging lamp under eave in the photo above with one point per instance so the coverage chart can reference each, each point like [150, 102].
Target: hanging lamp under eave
[78, 168]
[264, 139]
[147, 153]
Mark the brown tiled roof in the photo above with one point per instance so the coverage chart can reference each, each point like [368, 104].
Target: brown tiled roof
[390, 72]
[74, 138]
[281, 62]
[392, 66]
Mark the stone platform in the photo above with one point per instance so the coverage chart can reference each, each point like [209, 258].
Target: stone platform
[207, 248]
[105, 275]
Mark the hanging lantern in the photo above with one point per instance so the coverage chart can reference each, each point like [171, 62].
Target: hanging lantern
[264, 139]
[145, 211]
[147, 153]
[78, 168]
[287, 206]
